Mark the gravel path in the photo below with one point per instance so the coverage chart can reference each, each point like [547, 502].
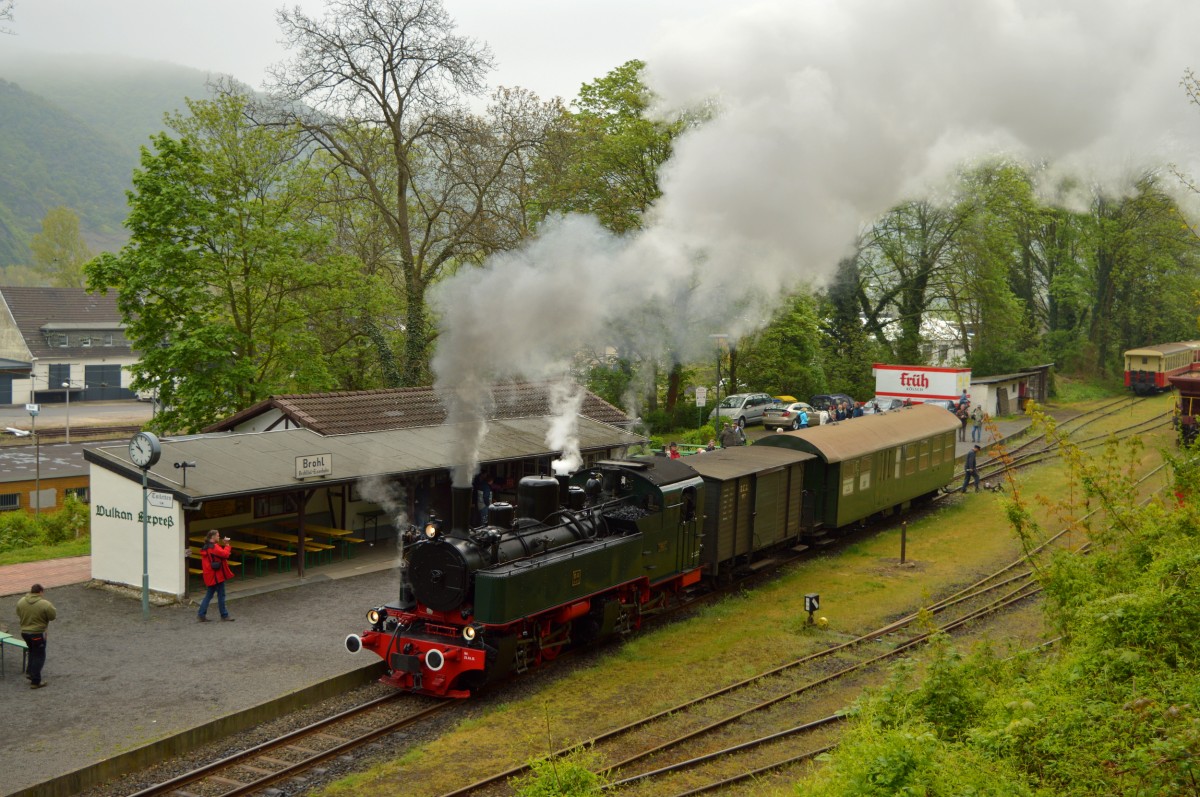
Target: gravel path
[117, 682]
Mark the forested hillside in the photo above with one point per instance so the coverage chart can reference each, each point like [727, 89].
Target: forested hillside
[70, 129]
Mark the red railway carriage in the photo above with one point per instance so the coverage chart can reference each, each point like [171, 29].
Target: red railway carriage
[1188, 405]
[1149, 369]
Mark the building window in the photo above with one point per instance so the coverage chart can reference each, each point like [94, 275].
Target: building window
[276, 504]
[80, 493]
[10, 501]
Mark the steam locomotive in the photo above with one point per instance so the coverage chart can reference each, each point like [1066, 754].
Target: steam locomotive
[592, 555]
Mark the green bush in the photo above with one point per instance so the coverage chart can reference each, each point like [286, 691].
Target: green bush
[570, 776]
[21, 530]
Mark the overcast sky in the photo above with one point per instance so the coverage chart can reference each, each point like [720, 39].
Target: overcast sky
[547, 46]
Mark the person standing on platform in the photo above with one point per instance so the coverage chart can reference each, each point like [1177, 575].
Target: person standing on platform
[803, 418]
[961, 412]
[214, 558]
[35, 613]
[977, 425]
[728, 437]
[971, 469]
[673, 451]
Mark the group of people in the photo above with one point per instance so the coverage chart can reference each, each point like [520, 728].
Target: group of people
[843, 411]
[965, 413]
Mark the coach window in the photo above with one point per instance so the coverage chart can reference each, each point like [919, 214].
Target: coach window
[899, 460]
[937, 452]
[926, 445]
[848, 477]
[864, 473]
[910, 459]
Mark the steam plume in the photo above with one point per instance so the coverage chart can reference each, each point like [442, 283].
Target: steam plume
[829, 114]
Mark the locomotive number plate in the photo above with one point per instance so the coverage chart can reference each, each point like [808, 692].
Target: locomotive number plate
[576, 578]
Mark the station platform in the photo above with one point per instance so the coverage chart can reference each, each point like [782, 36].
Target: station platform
[118, 683]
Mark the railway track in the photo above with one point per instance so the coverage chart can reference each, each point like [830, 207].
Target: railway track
[79, 434]
[287, 757]
[707, 730]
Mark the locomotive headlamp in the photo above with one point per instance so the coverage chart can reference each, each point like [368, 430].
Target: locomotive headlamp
[431, 530]
[469, 633]
[373, 616]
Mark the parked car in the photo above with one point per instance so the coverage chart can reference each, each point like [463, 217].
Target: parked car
[787, 416]
[829, 401]
[945, 404]
[882, 404]
[743, 408]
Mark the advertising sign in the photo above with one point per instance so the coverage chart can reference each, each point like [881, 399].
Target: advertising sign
[921, 383]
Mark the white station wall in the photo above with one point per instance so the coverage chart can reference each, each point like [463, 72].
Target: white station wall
[117, 536]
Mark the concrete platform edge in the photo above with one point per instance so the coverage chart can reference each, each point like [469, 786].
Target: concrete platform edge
[122, 764]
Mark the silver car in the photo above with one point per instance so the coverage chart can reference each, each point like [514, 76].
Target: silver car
[743, 408]
[787, 416]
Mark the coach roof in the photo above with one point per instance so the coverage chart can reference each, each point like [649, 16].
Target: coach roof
[837, 442]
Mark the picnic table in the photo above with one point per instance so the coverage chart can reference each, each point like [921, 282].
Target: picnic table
[292, 540]
[343, 537]
[8, 640]
[253, 549]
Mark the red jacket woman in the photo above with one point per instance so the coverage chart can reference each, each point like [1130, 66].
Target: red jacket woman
[214, 553]
[214, 561]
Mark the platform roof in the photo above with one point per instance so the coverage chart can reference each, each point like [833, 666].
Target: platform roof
[228, 465]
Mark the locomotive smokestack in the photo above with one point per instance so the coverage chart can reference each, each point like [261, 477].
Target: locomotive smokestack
[460, 511]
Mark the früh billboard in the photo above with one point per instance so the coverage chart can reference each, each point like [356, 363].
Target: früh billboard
[921, 383]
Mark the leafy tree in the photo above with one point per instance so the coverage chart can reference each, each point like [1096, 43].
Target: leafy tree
[224, 281]
[1144, 273]
[904, 256]
[784, 357]
[378, 85]
[605, 160]
[847, 352]
[59, 250]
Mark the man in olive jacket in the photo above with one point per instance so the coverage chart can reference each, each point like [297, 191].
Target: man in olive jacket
[36, 613]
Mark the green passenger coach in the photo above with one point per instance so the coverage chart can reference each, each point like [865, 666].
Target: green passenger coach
[874, 464]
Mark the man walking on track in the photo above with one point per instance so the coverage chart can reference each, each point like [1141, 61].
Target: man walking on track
[36, 613]
[971, 469]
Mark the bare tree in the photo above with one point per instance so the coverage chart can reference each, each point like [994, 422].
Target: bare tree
[380, 85]
[6, 14]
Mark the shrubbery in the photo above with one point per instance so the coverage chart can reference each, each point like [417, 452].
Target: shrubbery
[1111, 709]
[20, 530]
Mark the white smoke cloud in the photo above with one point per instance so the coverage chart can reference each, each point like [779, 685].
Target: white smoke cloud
[829, 114]
[563, 435]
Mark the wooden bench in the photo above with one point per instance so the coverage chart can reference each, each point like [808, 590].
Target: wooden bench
[199, 571]
[261, 557]
[347, 543]
[285, 557]
[319, 549]
[7, 640]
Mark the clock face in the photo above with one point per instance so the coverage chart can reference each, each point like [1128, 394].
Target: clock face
[144, 449]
